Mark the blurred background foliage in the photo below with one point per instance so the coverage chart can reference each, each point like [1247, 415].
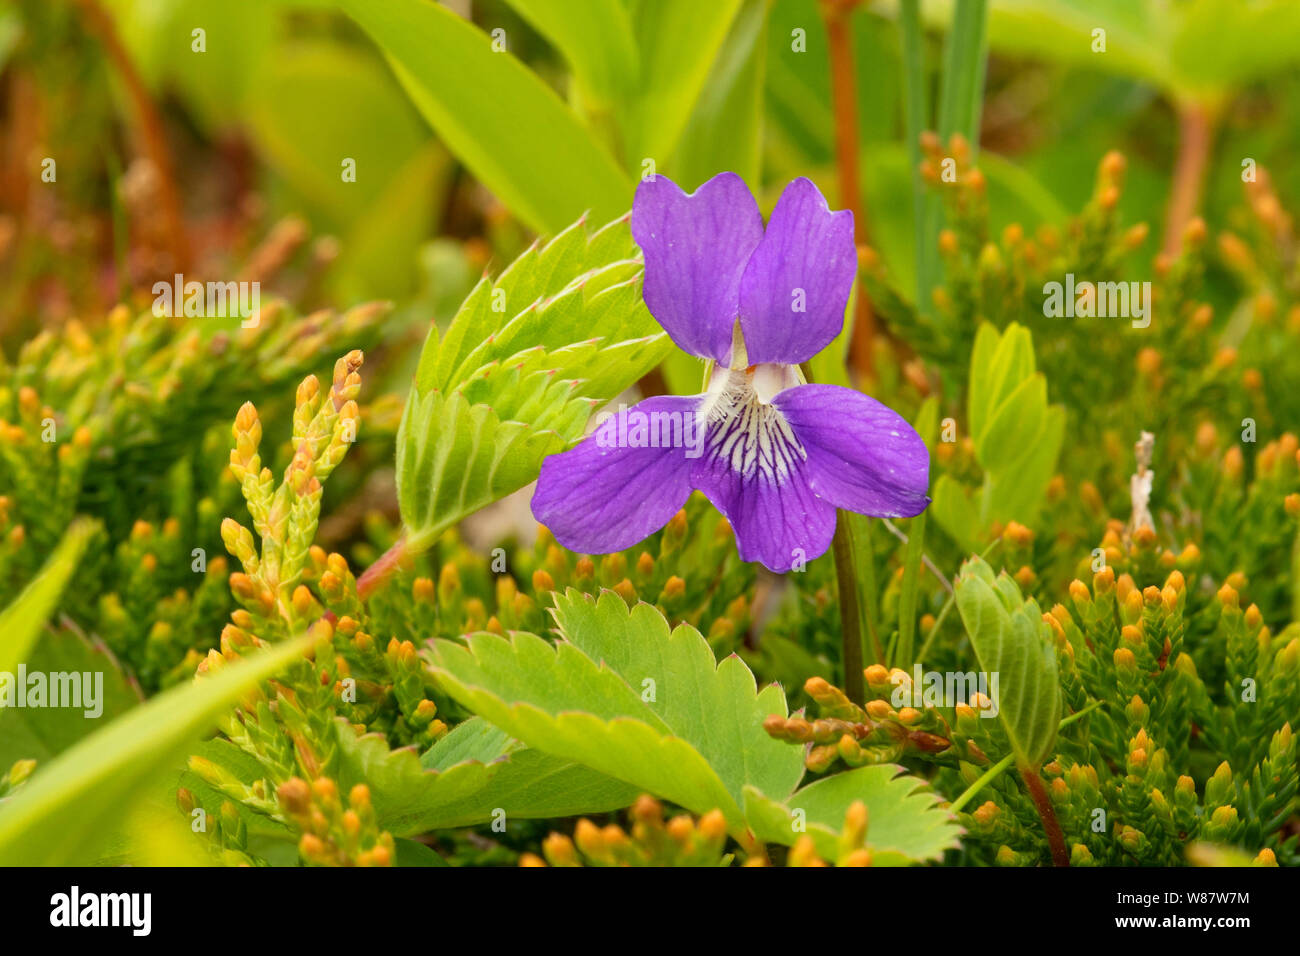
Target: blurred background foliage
[215, 138]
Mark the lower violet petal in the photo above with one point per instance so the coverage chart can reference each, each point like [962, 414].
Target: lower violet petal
[757, 479]
[862, 455]
[625, 480]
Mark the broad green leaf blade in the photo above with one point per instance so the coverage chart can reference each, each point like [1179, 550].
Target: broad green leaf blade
[464, 781]
[21, 621]
[596, 39]
[558, 701]
[905, 823]
[679, 40]
[717, 706]
[1014, 424]
[518, 372]
[504, 123]
[454, 458]
[725, 130]
[955, 512]
[370, 121]
[1017, 492]
[628, 698]
[1014, 645]
[67, 806]
[41, 733]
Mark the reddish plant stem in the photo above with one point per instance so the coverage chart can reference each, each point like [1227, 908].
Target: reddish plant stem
[1195, 138]
[844, 101]
[1043, 804]
[152, 134]
[381, 570]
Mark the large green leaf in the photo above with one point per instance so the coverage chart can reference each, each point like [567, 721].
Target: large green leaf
[725, 130]
[626, 696]
[596, 39]
[467, 777]
[1012, 642]
[519, 371]
[679, 40]
[905, 824]
[21, 621]
[64, 811]
[504, 123]
[370, 121]
[629, 698]
[40, 733]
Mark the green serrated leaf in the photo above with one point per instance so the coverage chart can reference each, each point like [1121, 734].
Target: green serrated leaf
[473, 773]
[905, 823]
[518, 372]
[626, 696]
[560, 700]
[1012, 642]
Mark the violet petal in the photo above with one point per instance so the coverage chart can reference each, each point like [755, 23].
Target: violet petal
[696, 247]
[777, 519]
[598, 497]
[796, 287]
[862, 455]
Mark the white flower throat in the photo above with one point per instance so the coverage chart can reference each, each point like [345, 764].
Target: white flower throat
[744, 429]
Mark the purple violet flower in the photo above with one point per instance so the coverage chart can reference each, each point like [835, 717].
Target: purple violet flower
[774, 454]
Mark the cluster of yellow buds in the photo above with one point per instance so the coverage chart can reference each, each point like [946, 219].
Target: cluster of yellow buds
[334, 834]
[652, 841]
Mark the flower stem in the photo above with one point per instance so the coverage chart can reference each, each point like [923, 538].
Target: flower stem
[846, 578]
[382, 569]
[1043, 804]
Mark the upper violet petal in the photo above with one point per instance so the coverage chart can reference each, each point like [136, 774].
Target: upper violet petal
[612, 489]
[862, 455]
[696, 246]
[796, 286]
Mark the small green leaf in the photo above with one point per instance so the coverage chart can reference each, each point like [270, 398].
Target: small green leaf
[1012, 643]
[904, 822]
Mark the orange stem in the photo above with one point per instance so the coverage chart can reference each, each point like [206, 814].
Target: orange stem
[1195, 137]
[151, 130]
[844, 101]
